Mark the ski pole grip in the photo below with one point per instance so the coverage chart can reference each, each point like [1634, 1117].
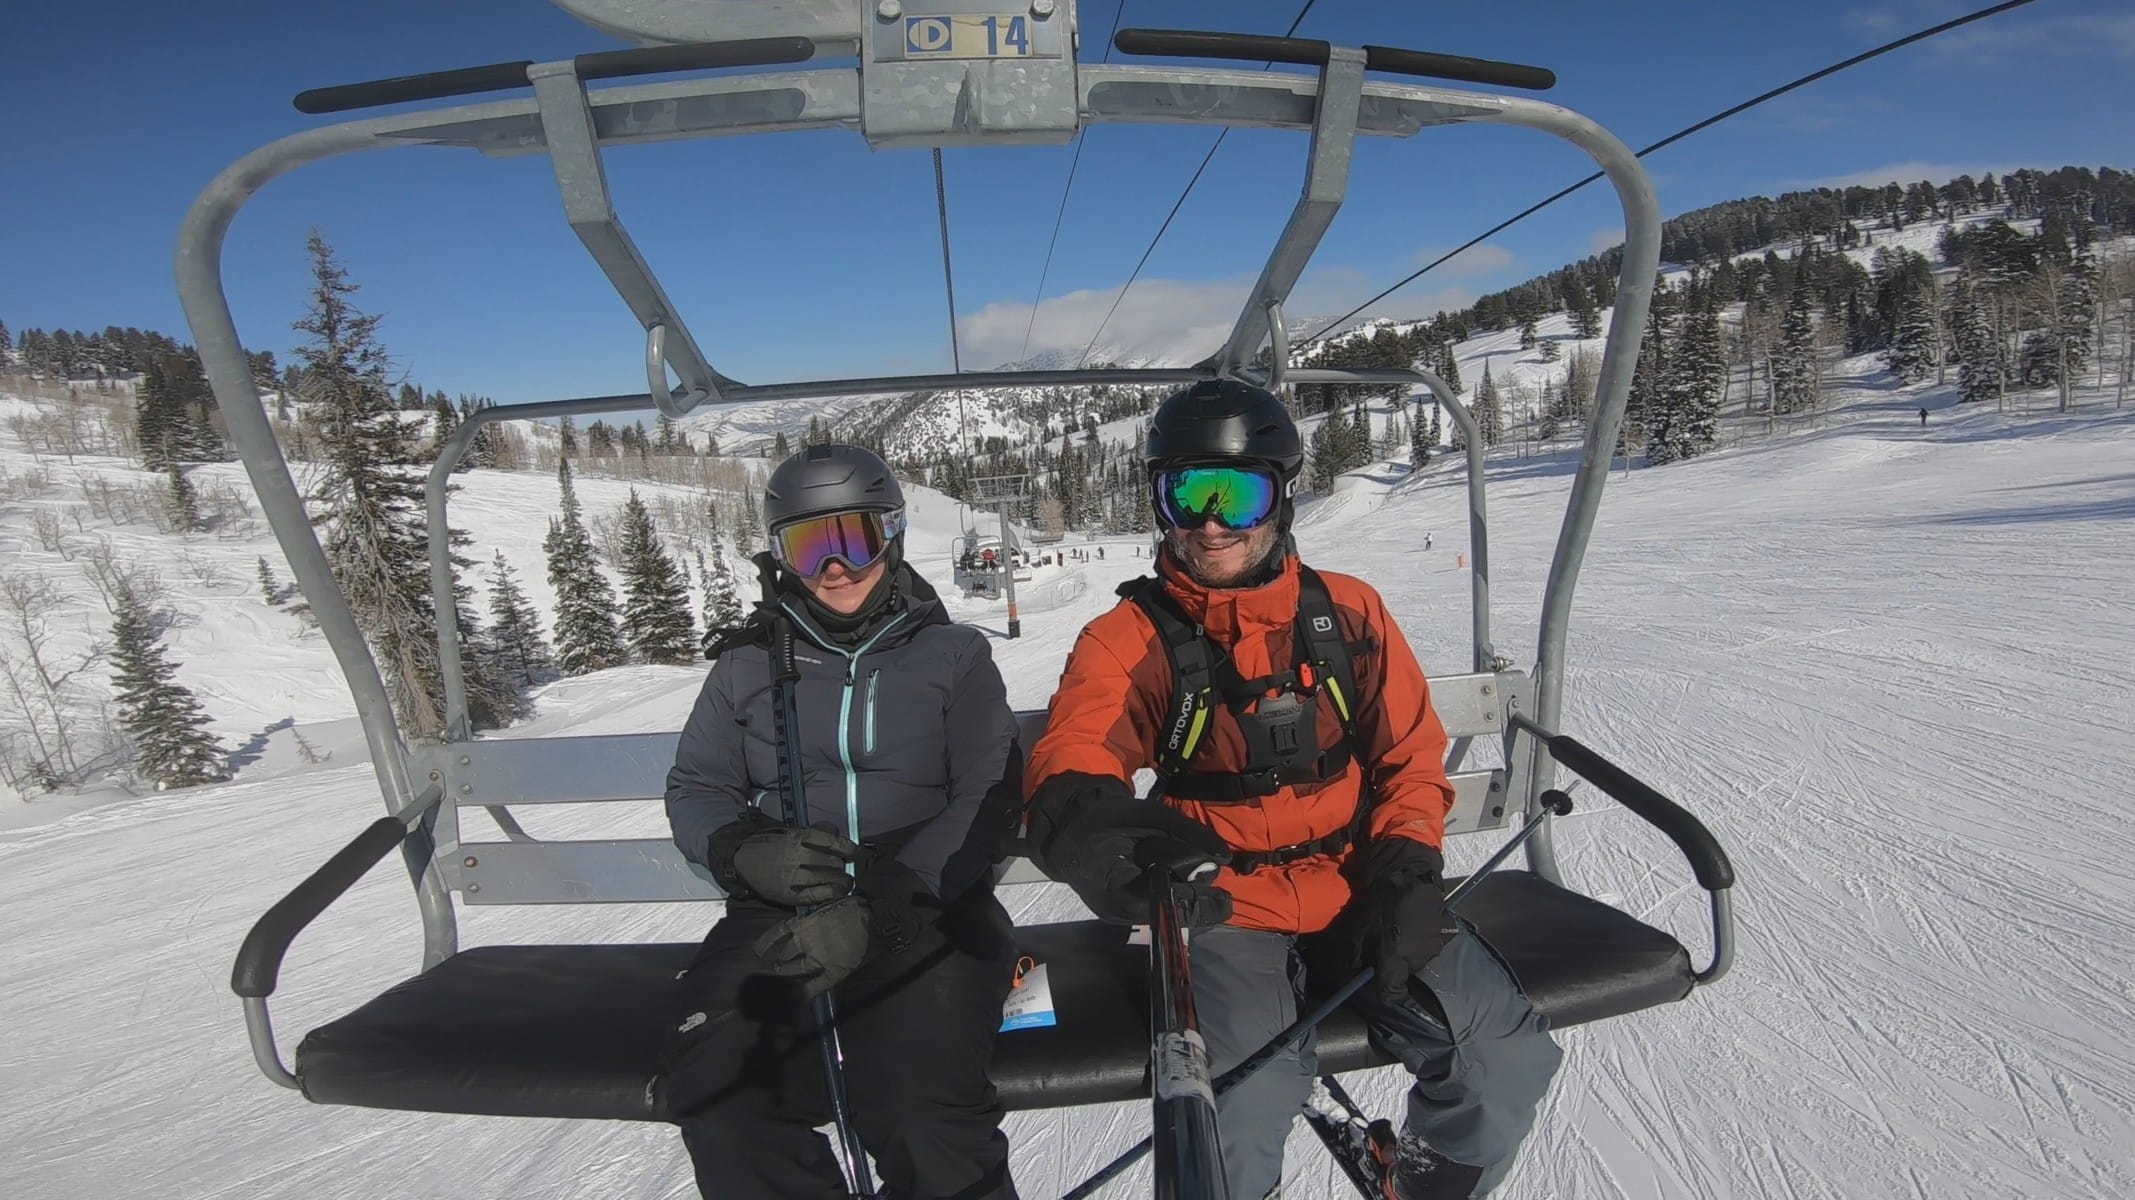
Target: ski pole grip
[1459, 68]
[1193, 43]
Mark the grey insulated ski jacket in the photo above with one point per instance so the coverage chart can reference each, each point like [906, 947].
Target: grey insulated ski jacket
[907, 745]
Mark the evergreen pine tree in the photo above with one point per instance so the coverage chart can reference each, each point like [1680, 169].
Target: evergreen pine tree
[369, 497]
[566, 437]
[1422, 438]
[182, 507]
[1489, 411]
[192, 410]
[586, 637]
[1794, 360]
[7, 345]
[656, 618]
[1326, 449]
[1528, 336]
[1973, 344]
[780, 451]
[160, 717]
[519, 651]
[155, 432]
[722, 606]
[1586, 318]
[443, 425]
[1686, 421]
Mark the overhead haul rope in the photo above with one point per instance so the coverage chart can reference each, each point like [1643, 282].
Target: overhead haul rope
[1175, 208]
[1670, 140]
[1061, 216]
[948, 279]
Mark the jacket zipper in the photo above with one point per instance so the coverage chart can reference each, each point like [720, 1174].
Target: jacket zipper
[845, 750]
[869, 747]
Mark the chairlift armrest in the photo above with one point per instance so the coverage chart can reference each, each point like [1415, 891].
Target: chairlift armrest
[259, 959]
[604, 64]
[1707, 859]
[1312, 52]
[1196, 43]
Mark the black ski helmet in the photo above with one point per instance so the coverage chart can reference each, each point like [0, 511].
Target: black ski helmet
[829, 478]
[1224, 419]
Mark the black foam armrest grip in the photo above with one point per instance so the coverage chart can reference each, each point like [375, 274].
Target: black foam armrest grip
[1192, 43]
[1456, 67]
[259, 960]
[1689, 834]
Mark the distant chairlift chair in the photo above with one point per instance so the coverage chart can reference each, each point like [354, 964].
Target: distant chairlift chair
[573, 1030]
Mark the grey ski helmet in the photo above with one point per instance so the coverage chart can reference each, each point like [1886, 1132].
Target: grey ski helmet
[829, 478]
[1219, 419]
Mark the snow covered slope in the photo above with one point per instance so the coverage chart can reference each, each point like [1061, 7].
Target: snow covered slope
[1891, 667]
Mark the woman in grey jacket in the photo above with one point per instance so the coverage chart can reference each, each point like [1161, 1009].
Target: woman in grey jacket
[908, 757]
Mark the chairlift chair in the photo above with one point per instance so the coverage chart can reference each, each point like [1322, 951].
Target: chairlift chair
[574, 1030]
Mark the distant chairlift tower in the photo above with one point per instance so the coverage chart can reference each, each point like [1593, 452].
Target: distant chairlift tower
[1010, 494]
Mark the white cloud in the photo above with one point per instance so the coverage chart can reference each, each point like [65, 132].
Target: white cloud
[1177, 322]
[1909, 172]
[1172, 320]
[2086, 35]
[1469, 263]
[1871, 24]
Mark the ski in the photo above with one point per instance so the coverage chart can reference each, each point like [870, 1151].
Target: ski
[1361, 1146]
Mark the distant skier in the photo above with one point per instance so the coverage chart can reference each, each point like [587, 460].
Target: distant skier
[1923, 418]
[1426, 541]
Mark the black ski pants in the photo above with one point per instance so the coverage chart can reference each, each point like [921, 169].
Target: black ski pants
[745, 1078]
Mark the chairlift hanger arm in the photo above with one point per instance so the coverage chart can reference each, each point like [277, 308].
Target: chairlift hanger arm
[604, 64]
[1312, 52]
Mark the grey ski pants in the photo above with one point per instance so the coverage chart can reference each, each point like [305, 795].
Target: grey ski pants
[1482, 1063]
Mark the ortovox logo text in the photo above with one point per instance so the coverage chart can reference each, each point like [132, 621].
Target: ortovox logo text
[1323, 624]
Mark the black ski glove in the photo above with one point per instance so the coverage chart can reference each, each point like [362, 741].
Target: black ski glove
[820, 949]
[1406, 923]
[1092, 833]
[779, 864]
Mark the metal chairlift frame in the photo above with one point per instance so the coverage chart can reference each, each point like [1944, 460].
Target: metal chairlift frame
[979, 102]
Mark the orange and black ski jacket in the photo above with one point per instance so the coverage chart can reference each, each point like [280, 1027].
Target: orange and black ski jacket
[1105, 720]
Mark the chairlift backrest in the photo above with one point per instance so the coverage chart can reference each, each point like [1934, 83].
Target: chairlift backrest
[525, 773]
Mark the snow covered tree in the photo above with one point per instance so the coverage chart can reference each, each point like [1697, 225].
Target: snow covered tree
[159, 716]
[722, 607]
[656, 618]
[1527, 334]
[157, 422]
[181, 506]
[1796, 368]
[1973, 344]
[1422, 438]
[1586, 318]
[1550, 351]
[780, 451]
[1683, 422]
[1489, 410]
[513, 639]
[369, 498]
[586, 637]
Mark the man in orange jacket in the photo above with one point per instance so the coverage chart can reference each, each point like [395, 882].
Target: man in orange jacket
[1295, 744]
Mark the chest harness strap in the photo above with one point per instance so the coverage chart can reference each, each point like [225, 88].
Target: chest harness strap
[1278, 715]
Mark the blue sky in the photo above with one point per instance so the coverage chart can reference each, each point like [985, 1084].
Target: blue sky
[810, 255]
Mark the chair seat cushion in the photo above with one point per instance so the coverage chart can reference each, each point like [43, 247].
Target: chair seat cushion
[574, 1030]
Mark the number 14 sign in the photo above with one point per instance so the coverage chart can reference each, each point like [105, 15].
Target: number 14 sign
[965, 36]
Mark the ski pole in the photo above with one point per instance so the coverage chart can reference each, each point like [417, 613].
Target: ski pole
[1554, 804]
[1189, 1156]
[787, 672]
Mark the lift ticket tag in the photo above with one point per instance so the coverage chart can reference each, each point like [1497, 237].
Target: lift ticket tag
[1030, 1001]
